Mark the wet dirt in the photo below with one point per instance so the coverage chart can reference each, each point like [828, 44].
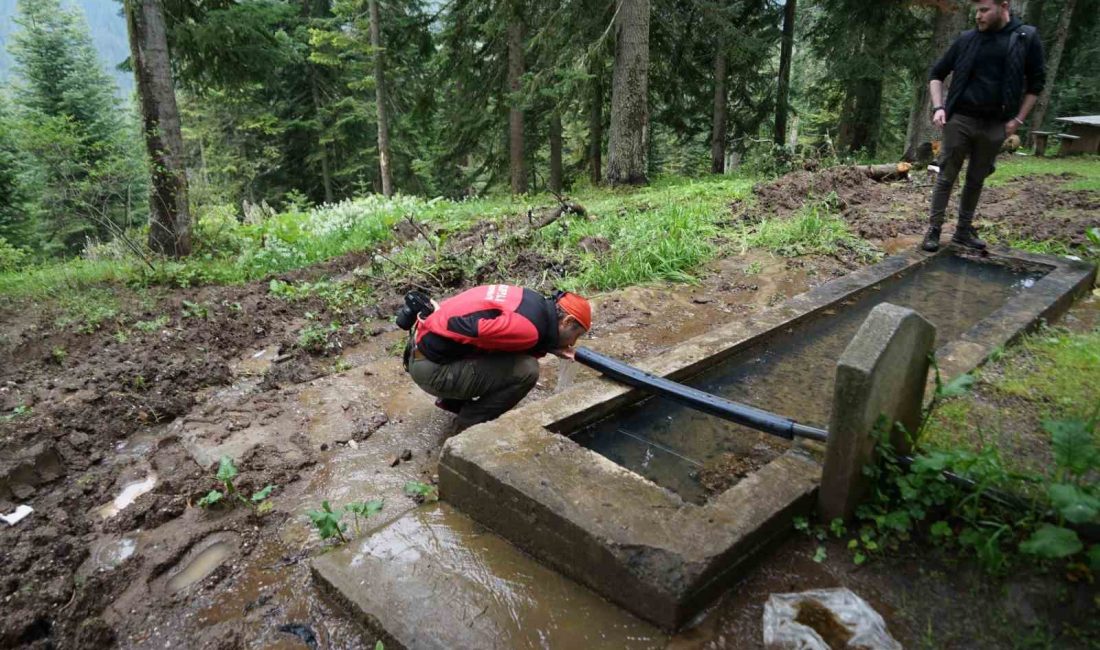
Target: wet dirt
[1036, 208]
[818, 617]
[114, 410]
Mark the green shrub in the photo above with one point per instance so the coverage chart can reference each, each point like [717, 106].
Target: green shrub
[11, 257]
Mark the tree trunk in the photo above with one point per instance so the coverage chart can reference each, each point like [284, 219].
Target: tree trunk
[718, 125]
[1053, 61]
[1033, 13]
[785, 55]
[169, 214]
[555, 153]
[861, 116]
[515, 112]
[792, 134]
[629, 140]
[380, 100]
[326, 173]
[595, 127]
[949, 21]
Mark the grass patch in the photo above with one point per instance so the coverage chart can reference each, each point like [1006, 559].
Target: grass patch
[662, 232]
[339, 297]
[1043, 247]
[813, 230]
[1087, 168]
[1055, 368]
[89, 310]
[949, 424]
[659, 232]
[1053, 374]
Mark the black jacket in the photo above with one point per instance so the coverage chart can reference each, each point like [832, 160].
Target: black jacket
[1022, 71]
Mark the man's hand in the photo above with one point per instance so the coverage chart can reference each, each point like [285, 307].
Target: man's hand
[1011, 126]
[939, 118]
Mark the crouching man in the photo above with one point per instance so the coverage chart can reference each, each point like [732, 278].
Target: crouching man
[477, 352]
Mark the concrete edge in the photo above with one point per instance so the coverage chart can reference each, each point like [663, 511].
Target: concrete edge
[325, 580]
[660, 572]
[1049, 299]
[589, 401]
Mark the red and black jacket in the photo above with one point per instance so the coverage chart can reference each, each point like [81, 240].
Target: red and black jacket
[489, 319]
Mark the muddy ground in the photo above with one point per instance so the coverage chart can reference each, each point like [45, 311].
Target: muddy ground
[1037, 208]
[158, 408]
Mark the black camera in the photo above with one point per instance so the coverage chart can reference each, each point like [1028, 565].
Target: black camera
[417, 303]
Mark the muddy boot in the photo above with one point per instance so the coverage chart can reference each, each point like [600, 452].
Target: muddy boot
[932, 240]
[966, 235]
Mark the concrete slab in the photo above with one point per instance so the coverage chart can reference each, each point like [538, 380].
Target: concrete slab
[881, 374]
[636, 543]
[639, 544]
[435, 579]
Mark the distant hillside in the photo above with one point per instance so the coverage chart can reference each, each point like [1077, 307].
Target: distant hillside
[108, 33]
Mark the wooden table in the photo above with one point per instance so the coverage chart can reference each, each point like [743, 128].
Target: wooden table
[1087, 130]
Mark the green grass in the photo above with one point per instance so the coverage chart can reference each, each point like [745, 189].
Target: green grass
[1055, 368]
[1086, 167]
[660, 232]
[1052, 374]
[813, 230]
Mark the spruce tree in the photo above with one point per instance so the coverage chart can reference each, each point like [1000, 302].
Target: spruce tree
[71, 124]
[14, 203]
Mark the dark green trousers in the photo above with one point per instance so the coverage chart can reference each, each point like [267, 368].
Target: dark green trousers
[490, 385]
[965, 137]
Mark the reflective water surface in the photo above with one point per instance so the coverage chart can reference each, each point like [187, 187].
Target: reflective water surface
[791, 374]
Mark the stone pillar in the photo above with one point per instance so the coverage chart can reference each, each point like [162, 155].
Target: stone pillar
[882, 373]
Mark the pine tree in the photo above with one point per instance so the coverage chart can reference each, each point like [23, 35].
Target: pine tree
[87, 178]
[864, 46]
[14, 198]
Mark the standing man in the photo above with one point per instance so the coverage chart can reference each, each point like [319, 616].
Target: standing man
[997, 75]
[478, 351]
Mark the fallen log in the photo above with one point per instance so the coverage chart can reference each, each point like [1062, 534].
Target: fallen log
[888, 172]
[549, 216]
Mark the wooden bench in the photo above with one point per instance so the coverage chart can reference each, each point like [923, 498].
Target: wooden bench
[1041, 138]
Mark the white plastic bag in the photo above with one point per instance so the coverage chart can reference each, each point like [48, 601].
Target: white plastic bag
[839, 613]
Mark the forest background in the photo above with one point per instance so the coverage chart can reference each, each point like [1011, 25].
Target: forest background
[286, 104]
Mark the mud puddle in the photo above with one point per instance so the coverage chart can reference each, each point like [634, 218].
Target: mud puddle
[129, 494]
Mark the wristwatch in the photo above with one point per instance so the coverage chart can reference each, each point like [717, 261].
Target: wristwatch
[937, 108]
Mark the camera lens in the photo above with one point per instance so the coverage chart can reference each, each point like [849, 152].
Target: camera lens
[405, 318]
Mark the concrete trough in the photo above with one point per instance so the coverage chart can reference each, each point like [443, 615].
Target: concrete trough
[641, 545]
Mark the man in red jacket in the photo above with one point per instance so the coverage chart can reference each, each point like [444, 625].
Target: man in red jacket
[477, 352]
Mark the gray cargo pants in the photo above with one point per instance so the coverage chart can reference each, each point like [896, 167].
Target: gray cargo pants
[497, 381]
[964, 137]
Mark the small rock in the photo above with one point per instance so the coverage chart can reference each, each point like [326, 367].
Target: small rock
[407, 455]
[395, 461]
[324, 446]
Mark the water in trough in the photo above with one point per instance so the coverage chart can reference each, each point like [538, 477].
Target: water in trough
[791, 374]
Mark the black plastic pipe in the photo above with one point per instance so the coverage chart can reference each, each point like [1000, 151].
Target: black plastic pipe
[742, 414]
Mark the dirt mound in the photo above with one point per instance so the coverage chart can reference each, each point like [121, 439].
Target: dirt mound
[1035, 208]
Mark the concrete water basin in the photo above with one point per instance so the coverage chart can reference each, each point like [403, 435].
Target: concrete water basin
[628, 515]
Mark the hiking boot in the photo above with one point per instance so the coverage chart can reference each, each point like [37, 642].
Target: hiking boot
[968, 236]
[450, 405]
[932, 240]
